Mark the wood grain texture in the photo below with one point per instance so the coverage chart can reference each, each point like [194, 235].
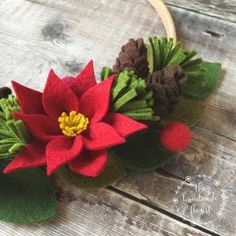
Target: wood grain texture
[222, 9]
[103, 213]
[40, 34]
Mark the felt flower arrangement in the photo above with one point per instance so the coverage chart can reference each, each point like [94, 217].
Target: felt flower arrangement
[88, 134]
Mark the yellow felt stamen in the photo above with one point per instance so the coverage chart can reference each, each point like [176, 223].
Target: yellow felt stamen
[72, 124]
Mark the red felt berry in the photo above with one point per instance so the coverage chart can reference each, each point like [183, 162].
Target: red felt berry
[175, 136]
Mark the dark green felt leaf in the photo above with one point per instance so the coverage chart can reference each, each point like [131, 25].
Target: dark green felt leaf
[26, 197]
[201, 87]
[143, 152]
[112, 173]
[188, 111]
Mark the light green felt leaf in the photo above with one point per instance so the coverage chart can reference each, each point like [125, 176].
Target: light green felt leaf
[202, 87]
[188, 111]
[26, 197]
[112, 173]
[143, 152]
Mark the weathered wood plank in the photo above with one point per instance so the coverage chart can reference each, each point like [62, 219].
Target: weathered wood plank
[66, 34]
[102, 213]
[63, 31]
[223, 9]
[208, 154]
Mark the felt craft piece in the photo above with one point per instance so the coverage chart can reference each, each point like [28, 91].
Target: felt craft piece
[85, 80]
[175, 136]
[13, 133]
[188, 111]
[112, 173]
[202, 86]
[5, 92]
[143, 151]
[163, 52]
[24, 95]
[166, 86]
[53, 104]
[34, 151]
[59, 100]
[133, 55]
[130, 96]
[27, 197]
[90, 163]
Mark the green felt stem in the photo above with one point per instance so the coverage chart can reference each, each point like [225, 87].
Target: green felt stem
[151, 56]
[15, 148]
[148, 96]
[23, 134]
[134, 105]
[118, 89]
[13, 133]
[105, 73]
[139, 115]
[179, 57]
[162, 52]
[124, 99]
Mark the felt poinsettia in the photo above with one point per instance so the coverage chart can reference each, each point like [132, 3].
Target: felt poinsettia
[71, 124]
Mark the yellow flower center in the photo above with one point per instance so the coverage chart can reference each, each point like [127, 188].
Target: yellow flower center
[73, 124]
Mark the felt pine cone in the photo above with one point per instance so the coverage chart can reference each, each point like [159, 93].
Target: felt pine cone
[133, 56]
[166, 87]
[4, 92]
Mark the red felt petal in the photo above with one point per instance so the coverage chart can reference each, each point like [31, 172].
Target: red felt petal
[41, 126]
[31, 156]
[101, 136]
[84, 81]
[58, 97]
[24, 95]
[95, 102]
[62, 150]
[68, 80]
[89, 163]
[124, 125]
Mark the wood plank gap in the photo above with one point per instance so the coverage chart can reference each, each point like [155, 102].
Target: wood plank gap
[216, 133]
[149, 204]
[195, 11]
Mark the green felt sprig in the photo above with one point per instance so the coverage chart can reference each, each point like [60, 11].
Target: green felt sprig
[131, 96]
[13, 133]
[163, 52]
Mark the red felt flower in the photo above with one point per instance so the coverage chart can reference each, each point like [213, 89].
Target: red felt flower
[71, 124]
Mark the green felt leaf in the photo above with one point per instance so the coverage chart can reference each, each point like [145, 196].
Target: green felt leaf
[112, 173]
[201, 87]
[26, 197]
[143, 152]
[188, 111]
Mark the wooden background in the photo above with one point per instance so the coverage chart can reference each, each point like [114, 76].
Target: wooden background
[36, 35]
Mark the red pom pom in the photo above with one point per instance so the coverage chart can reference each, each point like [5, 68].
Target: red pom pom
[175, 137]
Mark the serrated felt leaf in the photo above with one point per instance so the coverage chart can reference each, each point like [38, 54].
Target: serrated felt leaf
[27, 197]
[112, 173]
[143, 152]
[188, 111]
[200, 88]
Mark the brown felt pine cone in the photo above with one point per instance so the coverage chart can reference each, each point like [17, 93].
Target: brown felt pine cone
[4, 92]
[133, 55]
[166, 86]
